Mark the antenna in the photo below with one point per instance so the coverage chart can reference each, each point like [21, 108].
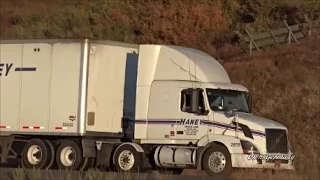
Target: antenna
[195, 64]
[190, 72]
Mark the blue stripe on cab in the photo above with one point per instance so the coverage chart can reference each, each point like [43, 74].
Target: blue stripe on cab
[208, 123]
[26, 69]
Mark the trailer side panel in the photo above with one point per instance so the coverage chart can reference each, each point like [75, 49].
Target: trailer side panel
[64, 95]
[39, 87]
[111, 87]
[10, 86]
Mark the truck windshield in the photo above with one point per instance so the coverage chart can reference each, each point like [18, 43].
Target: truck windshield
[225, 100]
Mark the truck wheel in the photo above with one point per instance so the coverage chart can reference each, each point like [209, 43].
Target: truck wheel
[34, 154]
[51, 154]
[86, 164]
[128, 159]
[69, 155]
[217, 162]
[1, 149]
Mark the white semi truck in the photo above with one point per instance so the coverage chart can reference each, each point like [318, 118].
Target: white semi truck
[80, 103]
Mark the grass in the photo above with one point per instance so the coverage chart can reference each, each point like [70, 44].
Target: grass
[91, 174]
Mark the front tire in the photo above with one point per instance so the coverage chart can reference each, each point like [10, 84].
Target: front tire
[128, 159]
[217, 162]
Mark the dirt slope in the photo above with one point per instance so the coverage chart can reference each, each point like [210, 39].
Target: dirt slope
[285, 84]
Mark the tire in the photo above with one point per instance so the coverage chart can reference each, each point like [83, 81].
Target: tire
[221, 169]
[123, 164]
[51, 155]
[69, 155]
[86, 164]
[35, 154]
[1, 149]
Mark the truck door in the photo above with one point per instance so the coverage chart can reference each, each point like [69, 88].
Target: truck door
[191, 126]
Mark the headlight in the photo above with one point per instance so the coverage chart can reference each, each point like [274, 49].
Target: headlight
[248, 147]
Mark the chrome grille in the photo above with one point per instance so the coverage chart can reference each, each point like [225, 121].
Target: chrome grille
[277, 141]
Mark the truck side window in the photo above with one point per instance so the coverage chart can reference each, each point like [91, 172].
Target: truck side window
[185, 105]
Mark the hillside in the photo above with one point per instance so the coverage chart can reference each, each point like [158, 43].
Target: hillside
[285, 85]
[205, 24]
[284, 82]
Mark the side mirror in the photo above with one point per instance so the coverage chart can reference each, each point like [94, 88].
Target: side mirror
[206, 112]
[195, 101]
[230, 113]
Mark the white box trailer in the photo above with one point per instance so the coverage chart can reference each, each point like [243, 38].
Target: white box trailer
[78, 103]
[47, 87]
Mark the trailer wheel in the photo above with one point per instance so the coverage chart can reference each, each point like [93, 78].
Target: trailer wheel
[128, 159]
[51, 154]
[86, 164]
[34, 154]
[69, 155]
[217, 162]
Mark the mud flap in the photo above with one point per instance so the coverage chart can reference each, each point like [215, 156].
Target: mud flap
[105, 154]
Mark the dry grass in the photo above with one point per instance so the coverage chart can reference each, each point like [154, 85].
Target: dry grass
[285, 85]
[92, 174]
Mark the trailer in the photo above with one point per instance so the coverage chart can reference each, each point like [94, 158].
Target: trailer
[75, 104]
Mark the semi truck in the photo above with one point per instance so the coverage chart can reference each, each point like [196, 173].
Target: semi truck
[78, 103]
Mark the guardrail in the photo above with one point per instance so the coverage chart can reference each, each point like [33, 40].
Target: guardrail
[278, 36]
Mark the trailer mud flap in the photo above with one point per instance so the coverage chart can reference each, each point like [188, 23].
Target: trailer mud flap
[89, 148]
[105, 154]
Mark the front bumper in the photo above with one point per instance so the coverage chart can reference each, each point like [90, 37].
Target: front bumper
[245, 161]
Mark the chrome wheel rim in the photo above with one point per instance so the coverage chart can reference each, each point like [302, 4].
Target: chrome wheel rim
[217, 162]
[126, 160]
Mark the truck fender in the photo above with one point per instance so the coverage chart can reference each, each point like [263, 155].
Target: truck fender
[136, 146]
[206, 142]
